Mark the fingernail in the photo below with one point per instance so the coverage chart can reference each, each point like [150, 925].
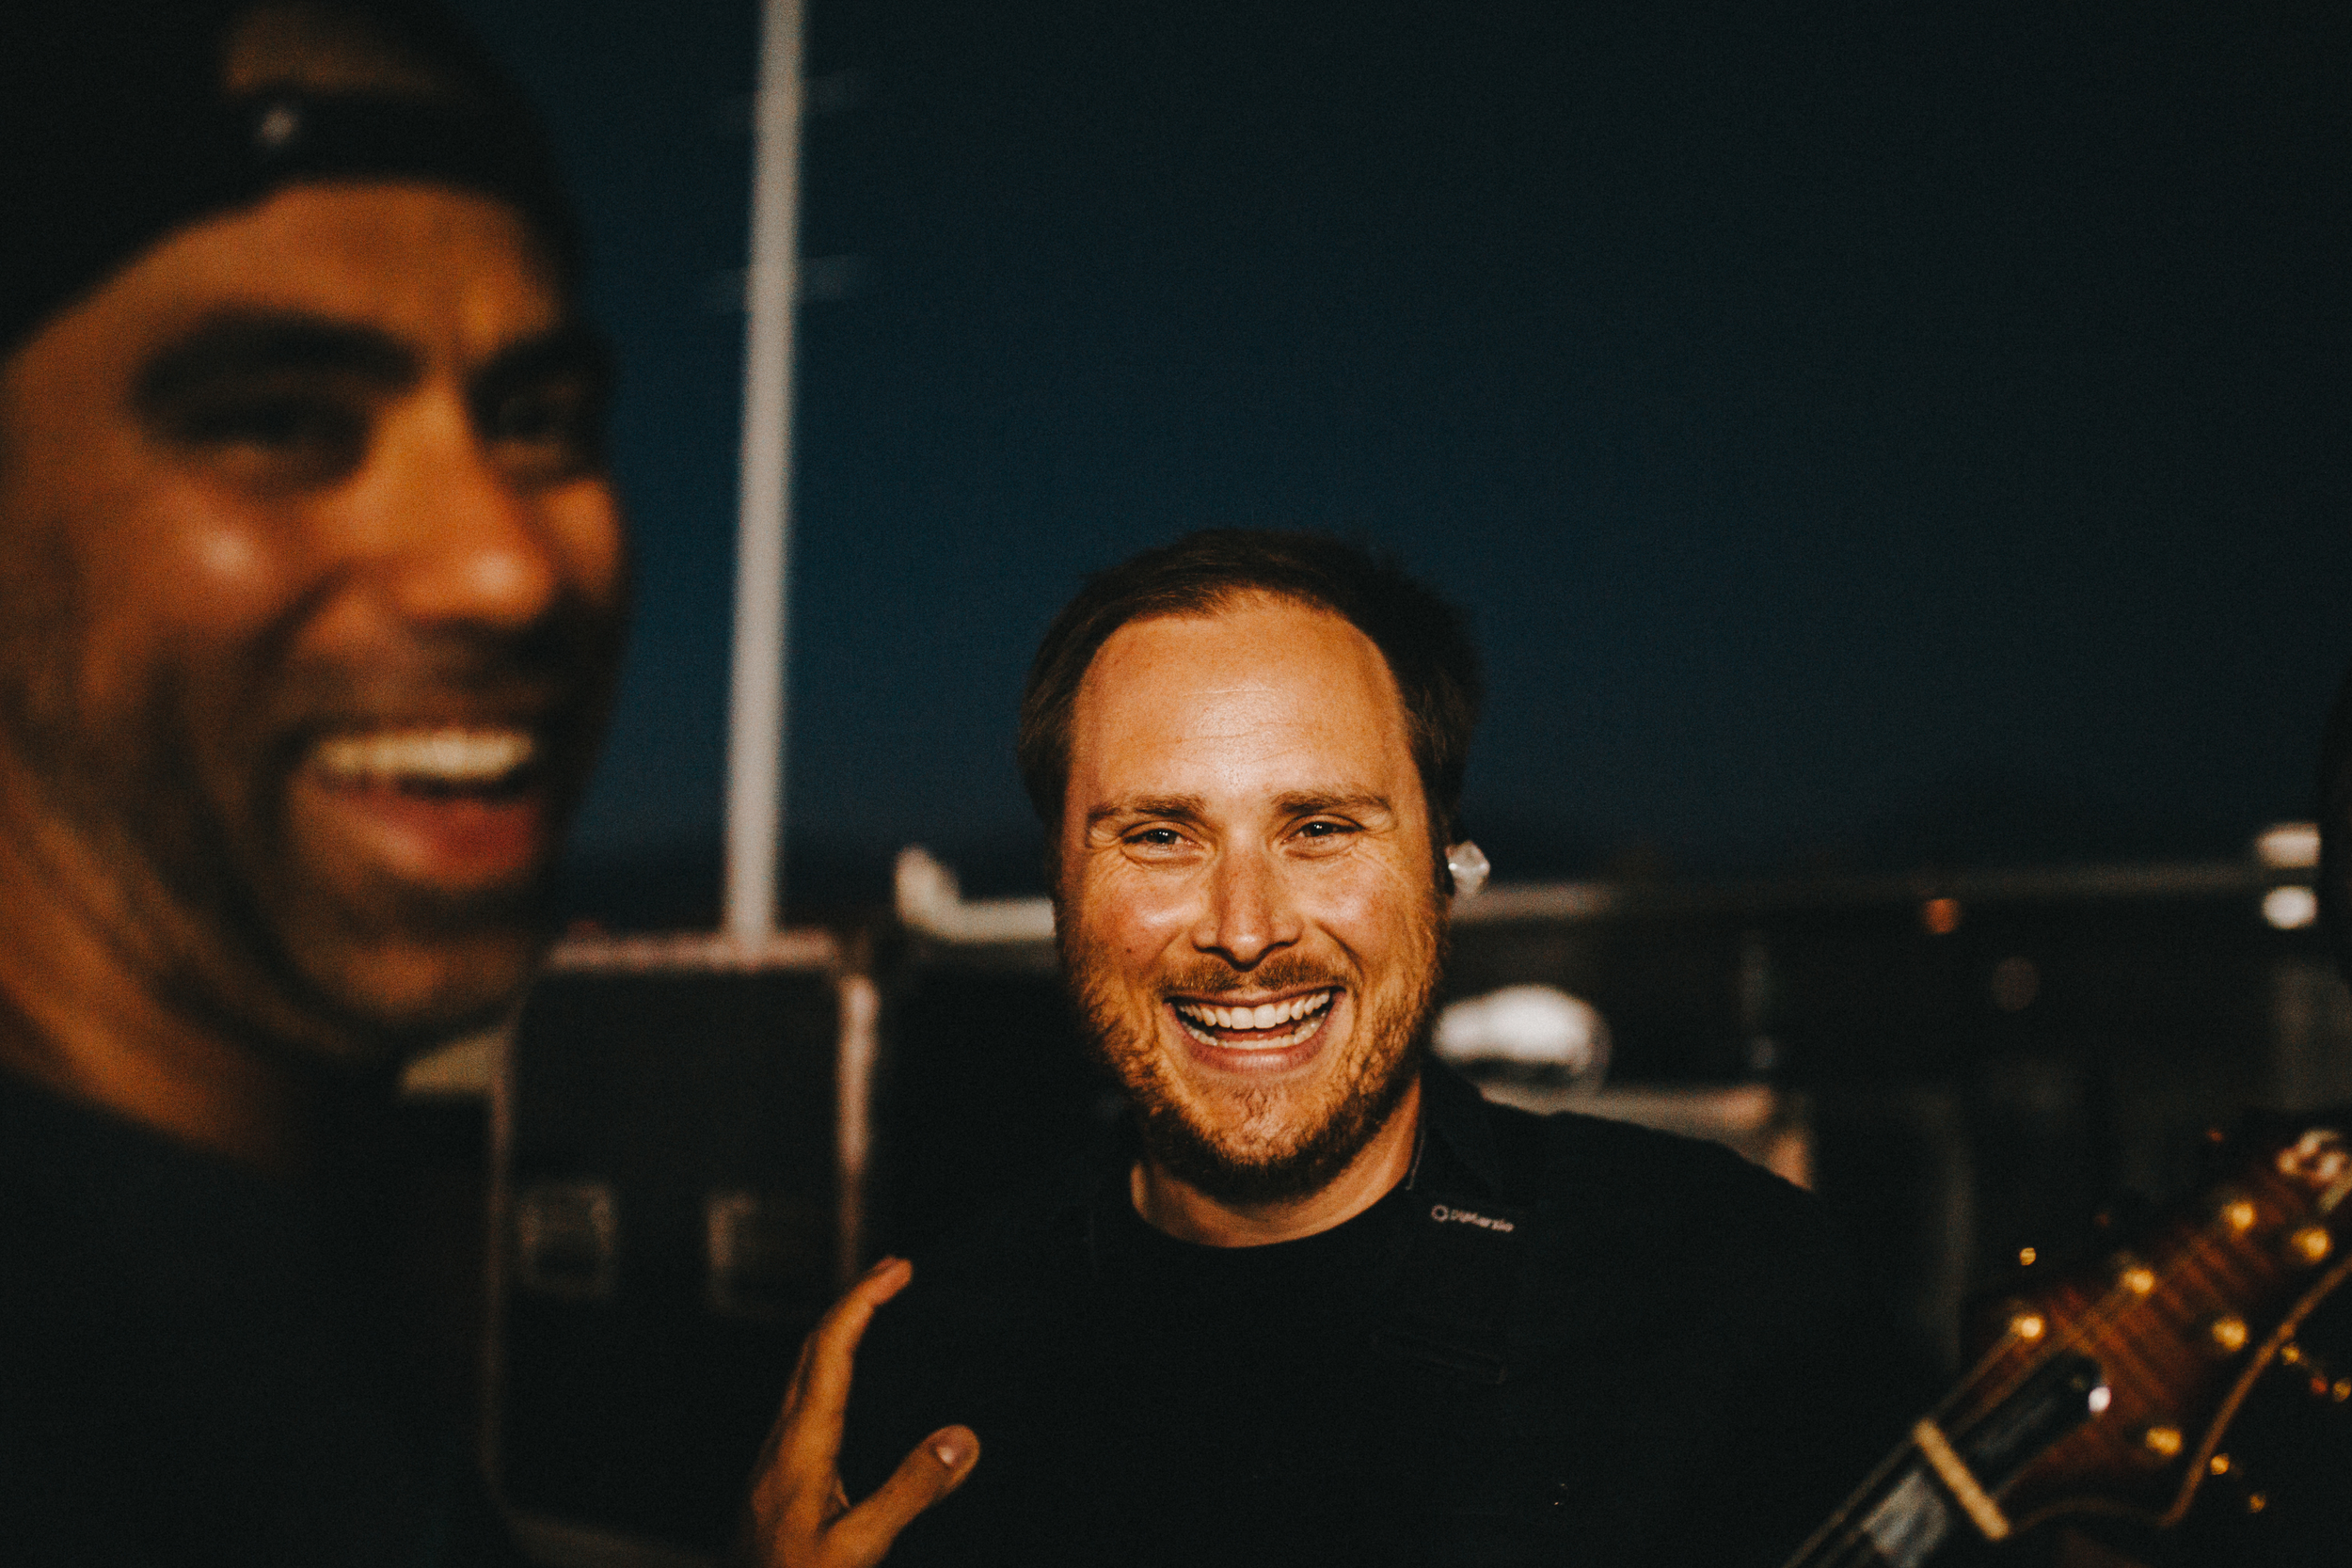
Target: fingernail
[949, 1449]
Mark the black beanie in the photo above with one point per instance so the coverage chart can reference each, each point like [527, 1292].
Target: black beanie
[117, 128]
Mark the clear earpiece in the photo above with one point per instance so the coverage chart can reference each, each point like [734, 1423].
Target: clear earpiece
[1469, 867]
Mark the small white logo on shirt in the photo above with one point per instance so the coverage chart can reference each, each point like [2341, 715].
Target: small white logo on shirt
[1444, 1215]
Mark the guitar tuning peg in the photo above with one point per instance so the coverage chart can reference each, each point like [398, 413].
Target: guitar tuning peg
[2233, 1479]
[2319, 1380]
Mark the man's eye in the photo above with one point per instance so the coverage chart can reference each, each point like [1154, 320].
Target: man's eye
[549, 430]
[1325, 830]
[297, 438]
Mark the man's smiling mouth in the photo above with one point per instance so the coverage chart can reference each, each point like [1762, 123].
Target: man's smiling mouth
[457, 805]
[1266, 1026]
[441, 760]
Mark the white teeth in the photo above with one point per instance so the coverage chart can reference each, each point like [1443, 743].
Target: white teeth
[1266, 1015]
[453, 756]
[1193, 1016]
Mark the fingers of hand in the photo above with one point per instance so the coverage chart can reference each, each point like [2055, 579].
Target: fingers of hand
[843, 1325]
[802, 1448]
[811, 1433]
[937, 1467]
[766, 1466]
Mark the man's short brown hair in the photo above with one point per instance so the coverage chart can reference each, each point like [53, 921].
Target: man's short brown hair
[1424, 640]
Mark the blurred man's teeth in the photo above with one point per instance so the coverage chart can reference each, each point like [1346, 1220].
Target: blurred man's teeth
[453, 756]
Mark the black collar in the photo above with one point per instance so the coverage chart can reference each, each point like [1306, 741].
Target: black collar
[1456, 1116]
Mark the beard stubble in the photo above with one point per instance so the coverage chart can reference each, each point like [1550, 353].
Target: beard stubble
[1273, 1144]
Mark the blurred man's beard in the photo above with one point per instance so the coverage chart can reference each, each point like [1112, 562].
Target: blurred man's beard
[204, 883]
[1284, 1143]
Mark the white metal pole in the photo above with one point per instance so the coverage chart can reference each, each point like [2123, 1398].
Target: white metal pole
[755, 724]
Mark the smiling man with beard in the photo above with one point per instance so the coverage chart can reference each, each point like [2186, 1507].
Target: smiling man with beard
[1323, 1304]
[310, 590]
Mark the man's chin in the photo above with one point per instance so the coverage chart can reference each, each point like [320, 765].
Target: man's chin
[1296, 1169]
[1239, 1181]
[377, 1005]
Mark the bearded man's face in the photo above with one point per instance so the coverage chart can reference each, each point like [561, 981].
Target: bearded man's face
[1245, 904]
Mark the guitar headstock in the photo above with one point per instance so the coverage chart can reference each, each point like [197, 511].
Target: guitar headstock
[2152, 1347]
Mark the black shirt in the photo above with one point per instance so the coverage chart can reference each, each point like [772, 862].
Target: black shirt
[203, 1365]
[1561, 1339]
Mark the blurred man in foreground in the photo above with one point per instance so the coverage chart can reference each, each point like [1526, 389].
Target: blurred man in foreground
[1326, 1304]
[310, 587]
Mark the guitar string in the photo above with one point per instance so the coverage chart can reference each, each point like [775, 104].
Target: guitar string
[1852, 1548]
[1826, 1550]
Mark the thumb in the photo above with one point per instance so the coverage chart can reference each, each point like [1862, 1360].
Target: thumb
[935, 1467]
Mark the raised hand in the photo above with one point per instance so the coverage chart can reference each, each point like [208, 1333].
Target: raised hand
[800, 1514]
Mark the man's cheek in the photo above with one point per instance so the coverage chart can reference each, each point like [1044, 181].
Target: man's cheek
[591, 539]
[1150, 911]
[216, 562]
[225, 567]
[1377, 911]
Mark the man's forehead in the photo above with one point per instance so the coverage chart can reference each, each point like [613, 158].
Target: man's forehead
[256, 297]
[432, 266]
[1271, 683]
[1252, 642]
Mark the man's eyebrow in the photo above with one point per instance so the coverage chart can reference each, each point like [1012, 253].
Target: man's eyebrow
[1179, 808]
[571, 349]
[1309, 802]
[1192, 808]
[248, 345]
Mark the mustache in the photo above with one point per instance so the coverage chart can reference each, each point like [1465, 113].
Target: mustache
[561, 661]
[1212, 976]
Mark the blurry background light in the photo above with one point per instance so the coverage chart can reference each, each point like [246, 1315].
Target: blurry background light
[2291, 908]
[2015, 983]
[2288, 845]
[1527, 1027]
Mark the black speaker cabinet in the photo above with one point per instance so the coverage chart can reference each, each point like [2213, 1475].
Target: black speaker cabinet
[681, 1135]
[984, 1094]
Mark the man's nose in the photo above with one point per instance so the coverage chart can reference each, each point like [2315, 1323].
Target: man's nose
[1249, 913]
[461, 542]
